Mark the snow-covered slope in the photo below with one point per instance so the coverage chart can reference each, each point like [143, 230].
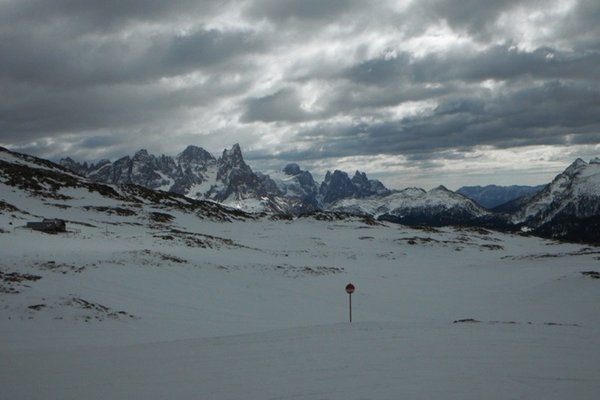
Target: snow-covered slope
[154, 295]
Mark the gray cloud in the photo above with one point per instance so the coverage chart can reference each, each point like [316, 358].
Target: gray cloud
[280, 11]
[92, 61]
[470, 16]
[503, 62]
[556, 113]
[106, 16]
[283, 106]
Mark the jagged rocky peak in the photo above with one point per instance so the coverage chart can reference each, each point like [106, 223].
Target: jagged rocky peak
[305, 178]
[74, 166]
[575, 167]
[362, 184]
[68, 161]
[196, 155]
[336, 186]
[237, 179]
[299, 184]
[123, 162]
[360, 179]
[441, 188]
[368, 187]
[234, 155]
[232, 162]
[336, 176]
[292, 169]
[142, 156]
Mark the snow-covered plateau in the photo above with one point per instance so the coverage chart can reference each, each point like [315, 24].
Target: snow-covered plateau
[155, 296]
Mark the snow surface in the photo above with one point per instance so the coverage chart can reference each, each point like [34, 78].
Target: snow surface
[130, 307]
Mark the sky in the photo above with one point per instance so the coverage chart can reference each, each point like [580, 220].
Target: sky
[414, 93]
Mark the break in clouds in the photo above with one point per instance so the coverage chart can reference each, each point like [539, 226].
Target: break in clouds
[390, 87]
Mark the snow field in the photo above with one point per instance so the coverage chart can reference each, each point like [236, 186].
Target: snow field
[260, 312]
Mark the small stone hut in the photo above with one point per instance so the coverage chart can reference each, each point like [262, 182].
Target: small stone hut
[48, 225]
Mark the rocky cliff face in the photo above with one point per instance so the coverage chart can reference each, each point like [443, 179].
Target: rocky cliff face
[194, 173]
[193, 166]
[338, 185]
[237, 181]
[299, 188]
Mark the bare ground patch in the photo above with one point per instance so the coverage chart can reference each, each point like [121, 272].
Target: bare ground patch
[475, 321]
[13, 282]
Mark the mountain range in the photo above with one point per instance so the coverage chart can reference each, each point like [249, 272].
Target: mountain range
[567, 208]
[229, 180]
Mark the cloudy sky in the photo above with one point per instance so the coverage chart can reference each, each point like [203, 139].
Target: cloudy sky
[416, 93]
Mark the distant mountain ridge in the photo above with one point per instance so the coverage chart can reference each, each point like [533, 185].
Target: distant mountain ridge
[414, 206]
[492, 196]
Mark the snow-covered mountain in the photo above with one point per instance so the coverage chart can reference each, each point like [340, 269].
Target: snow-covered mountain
[414, 206]
[492, 196]
[338, 185]
[568, 207]
[229, 180]
[194, 172]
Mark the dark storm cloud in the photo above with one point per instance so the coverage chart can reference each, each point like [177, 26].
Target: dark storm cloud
[545, 96]
[63, 72]
[91, 61]
[497, 63]
[27, 113]
[554, 113]
[100, 16]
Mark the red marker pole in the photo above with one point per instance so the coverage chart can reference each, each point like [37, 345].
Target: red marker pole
[350, 304]
[350, 289]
